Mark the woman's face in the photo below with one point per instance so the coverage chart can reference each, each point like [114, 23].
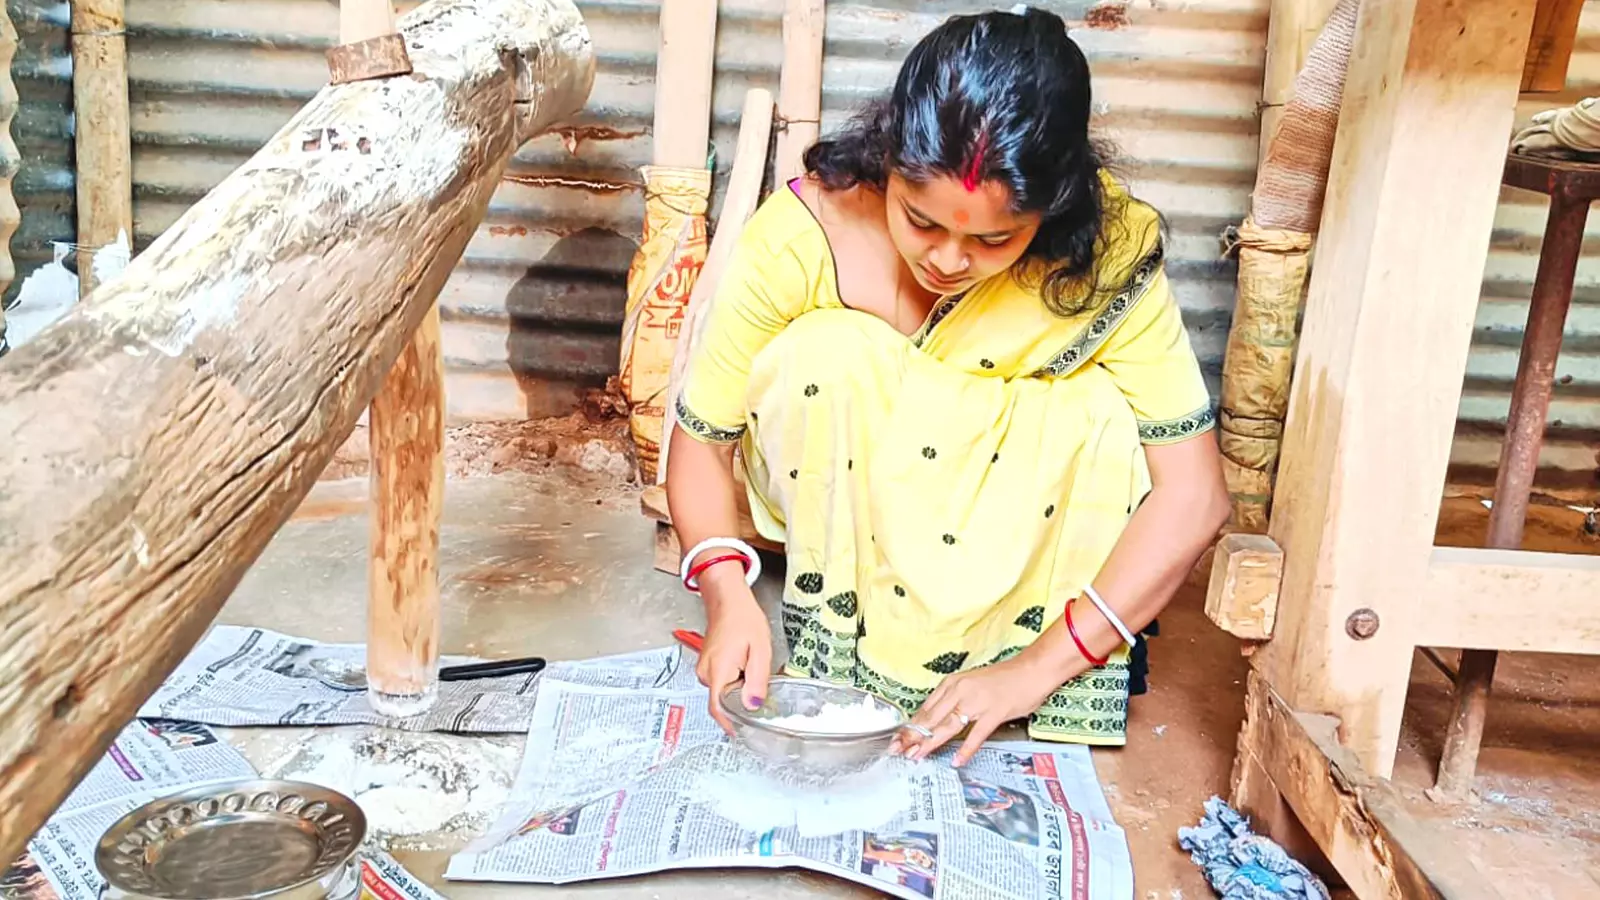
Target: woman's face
[950, 237]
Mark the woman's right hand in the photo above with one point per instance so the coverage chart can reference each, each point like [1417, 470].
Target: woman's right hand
[738, 640]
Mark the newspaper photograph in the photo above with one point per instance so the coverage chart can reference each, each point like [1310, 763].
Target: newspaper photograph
[241, 676]
[619, 783]
[149, 759]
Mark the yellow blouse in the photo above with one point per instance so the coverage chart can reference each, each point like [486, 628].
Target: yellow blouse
[783, 267]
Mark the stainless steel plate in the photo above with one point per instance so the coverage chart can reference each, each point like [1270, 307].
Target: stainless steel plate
[236, 840]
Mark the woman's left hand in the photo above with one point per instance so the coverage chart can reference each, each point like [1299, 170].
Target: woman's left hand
[985, 698]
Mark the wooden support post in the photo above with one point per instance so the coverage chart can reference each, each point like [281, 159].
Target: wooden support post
[406, 422]
[799, 85]
[1519, 462]
[407, 438]
[685, 65]
[1243, 596]
[1555, 31]
[1414, 181]
[369, 46]
[672, 248]
[225, 367]
[102, 144]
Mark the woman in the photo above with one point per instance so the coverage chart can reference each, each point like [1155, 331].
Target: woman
[964, 400]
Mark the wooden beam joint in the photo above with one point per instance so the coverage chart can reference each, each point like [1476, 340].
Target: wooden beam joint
[379, 57]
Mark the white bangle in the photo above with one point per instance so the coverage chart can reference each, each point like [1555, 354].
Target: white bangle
[1094, 597]
[752, 572]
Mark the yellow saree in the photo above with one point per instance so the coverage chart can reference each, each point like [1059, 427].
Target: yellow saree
[942, 496]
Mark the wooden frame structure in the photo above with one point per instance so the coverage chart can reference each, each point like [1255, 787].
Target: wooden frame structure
[1347, 583]
[230, 360]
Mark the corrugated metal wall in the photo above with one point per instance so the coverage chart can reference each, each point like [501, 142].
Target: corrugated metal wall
[1570, 464]
[536, 305]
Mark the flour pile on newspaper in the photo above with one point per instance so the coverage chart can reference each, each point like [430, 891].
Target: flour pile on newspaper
[251, 676]
[624, 781]
[151, 758]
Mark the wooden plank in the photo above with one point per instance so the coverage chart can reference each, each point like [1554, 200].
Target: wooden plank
[406, 435]
[101, 135]
[1243, 595]
[1555, 31]
[799, 86]
[226, 365]
[1358, 821]
[1413, 186]
[1511, 600]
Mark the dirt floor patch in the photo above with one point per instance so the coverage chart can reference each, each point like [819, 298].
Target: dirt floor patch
[594, 438]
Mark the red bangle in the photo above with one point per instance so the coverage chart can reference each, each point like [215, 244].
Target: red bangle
[1082, 648]
[691, 582]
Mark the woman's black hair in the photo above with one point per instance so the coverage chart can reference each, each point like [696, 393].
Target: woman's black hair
[994, 96]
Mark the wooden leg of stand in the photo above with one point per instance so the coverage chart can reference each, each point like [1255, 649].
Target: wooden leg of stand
[407, 434]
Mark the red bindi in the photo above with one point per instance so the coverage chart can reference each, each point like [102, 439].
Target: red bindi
[960, 216]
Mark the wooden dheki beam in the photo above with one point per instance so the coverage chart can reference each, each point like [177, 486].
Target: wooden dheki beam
[225, 366]
[1360, 822]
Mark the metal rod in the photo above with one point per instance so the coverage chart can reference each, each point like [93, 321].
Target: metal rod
[1519, 461]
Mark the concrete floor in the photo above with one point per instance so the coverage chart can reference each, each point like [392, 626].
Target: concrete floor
[558, 565]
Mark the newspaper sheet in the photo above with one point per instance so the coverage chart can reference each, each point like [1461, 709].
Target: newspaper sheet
[251, 676]
[152, 758]
[624, 782]
[149, 759]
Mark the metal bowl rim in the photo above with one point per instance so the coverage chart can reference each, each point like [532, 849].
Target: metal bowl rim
[739, 713]
[354, 813]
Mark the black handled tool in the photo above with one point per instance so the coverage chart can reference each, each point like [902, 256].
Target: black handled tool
[492, 669]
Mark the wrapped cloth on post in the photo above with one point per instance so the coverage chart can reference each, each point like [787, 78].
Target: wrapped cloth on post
[671, 254]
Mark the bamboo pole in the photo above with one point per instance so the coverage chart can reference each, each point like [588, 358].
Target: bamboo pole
[1274, 250]
[100, 131]
[1292, 27]
[226, 366]
[685, 64]
[799, 85]
[672, 246]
